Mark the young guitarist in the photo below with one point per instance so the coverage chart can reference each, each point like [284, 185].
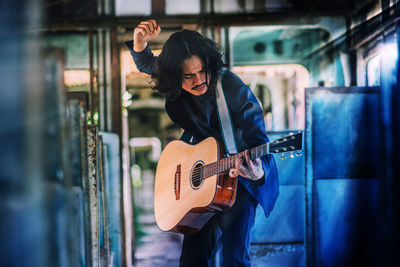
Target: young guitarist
[186, 72]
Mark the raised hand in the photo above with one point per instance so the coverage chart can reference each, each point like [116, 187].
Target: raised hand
[253, 171]
[144, 32]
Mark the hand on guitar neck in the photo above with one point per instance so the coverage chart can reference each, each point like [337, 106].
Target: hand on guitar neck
[252, 170]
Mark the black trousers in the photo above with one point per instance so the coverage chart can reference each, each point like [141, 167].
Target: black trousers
[227, 232]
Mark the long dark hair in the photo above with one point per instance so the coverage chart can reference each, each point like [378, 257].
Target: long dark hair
[179, 47]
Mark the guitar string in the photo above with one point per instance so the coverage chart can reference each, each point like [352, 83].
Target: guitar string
[227, 161]
[254, 152]
[204, 170]
[224, 162]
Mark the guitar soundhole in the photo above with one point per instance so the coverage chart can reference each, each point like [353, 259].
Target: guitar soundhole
[197, 175]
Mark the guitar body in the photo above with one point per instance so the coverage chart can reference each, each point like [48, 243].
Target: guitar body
[192, 181]
[183, 201]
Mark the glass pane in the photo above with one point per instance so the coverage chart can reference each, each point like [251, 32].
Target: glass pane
[222, 6]
[182, 7]
[280, 90]
[132, 7]
[374, 71]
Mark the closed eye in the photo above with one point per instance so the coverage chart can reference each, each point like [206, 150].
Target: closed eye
[190, 76]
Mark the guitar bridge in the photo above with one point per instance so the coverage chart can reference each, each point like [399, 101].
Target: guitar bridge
[177, 182]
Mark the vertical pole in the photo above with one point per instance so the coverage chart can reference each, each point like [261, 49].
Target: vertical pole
[91, 93]
[115, 84]
[158, 7]
[309, 184]
[227, 42]
[396, 144]
[117, 128]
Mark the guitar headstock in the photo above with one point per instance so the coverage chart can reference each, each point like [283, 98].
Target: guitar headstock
[288, 145]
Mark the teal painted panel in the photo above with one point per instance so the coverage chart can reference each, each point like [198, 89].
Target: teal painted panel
[24, 232]
[291, 170]
[342, 161]
[112, 187]
[286, 221]
[345, 133]
[347, 222]
[76, 226]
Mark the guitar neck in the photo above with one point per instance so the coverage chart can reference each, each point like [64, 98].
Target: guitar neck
[228, 163]
[286, 144]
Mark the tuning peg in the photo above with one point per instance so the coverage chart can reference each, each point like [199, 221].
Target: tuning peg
[298, 154]
[291, 155]
[283, 156]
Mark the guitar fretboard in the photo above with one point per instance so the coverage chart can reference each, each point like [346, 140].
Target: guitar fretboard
[228, 163]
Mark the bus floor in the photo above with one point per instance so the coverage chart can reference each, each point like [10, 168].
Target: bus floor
[155, 247]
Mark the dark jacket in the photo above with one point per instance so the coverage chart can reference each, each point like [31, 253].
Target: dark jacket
[197, 115]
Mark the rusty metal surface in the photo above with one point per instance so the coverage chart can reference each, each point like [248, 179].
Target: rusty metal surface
[93, 191]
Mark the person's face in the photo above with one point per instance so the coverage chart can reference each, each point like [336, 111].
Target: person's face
[194, 76]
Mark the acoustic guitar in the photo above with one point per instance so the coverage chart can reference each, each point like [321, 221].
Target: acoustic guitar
[192, 182]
